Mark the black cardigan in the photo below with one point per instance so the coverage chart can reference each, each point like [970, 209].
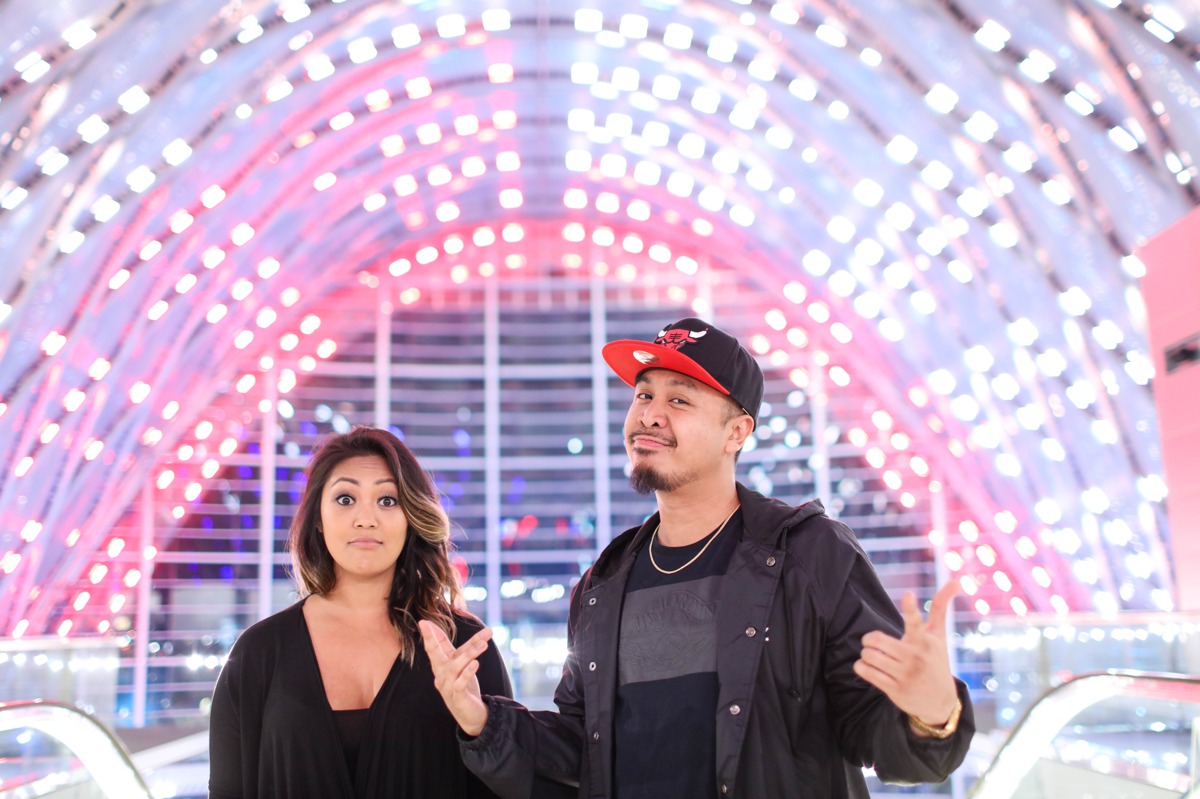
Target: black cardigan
[272, 731]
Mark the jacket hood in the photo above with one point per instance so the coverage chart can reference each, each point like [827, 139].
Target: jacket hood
[764, 519]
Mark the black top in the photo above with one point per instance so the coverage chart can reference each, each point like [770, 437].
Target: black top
[667, 687]
[351, 728]
[273, 734]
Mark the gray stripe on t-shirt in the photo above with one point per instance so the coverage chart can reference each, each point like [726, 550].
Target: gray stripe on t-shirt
[669, 631]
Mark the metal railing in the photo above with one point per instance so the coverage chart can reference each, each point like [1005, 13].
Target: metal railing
[50, 748]
[1108, 735]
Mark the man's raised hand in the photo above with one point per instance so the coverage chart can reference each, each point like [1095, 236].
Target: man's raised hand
[454, 675]
[914, 670]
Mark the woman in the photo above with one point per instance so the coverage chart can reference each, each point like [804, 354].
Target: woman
[333, 698]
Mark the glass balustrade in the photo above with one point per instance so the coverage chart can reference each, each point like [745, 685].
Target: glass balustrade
[49, 749]
[1111, 735]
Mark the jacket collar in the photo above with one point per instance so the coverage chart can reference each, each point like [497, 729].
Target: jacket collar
[765, 520]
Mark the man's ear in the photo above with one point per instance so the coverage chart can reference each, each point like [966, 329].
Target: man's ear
[740, 429]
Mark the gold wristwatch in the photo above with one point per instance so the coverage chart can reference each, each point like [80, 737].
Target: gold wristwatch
[946, 730]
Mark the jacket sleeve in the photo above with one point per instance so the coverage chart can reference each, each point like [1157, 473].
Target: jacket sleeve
[522, 753]
[870, 729]
[493, 681]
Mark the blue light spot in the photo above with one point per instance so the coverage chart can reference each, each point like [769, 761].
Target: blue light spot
[516, 489]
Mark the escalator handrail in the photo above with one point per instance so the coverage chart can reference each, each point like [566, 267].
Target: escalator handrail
[100, 752]
[1046, 717]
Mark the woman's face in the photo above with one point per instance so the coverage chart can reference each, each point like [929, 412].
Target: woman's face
[361, 519]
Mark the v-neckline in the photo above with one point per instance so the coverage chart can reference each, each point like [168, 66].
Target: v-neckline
[351, 780]
[316, 664]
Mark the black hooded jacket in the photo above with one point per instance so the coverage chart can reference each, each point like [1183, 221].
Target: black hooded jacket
[793, 719]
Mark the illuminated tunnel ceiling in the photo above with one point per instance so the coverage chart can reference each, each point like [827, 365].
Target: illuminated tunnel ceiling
[937, 201]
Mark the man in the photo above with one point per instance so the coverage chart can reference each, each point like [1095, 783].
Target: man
[732, 645]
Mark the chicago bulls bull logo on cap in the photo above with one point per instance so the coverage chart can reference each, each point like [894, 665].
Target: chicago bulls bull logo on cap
[676, 337]
[719, 361]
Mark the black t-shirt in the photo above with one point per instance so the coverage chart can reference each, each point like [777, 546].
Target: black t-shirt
[667, 690]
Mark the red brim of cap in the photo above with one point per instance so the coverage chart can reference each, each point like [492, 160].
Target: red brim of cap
[630, 358]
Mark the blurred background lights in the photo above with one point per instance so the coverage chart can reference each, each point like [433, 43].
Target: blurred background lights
[933, 276]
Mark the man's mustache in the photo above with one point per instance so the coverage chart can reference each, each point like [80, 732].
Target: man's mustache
[643, 433]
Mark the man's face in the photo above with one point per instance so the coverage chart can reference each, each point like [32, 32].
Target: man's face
[677, 430]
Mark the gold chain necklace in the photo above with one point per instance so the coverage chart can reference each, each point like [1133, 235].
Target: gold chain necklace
[695, 557]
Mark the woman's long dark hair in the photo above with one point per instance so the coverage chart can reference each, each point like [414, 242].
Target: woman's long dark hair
[426, 584]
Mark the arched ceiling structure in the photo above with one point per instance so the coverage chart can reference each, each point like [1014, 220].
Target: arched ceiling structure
[937, 202]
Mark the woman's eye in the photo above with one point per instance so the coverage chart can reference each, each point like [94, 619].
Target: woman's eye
[389, 502]
[344, 499]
